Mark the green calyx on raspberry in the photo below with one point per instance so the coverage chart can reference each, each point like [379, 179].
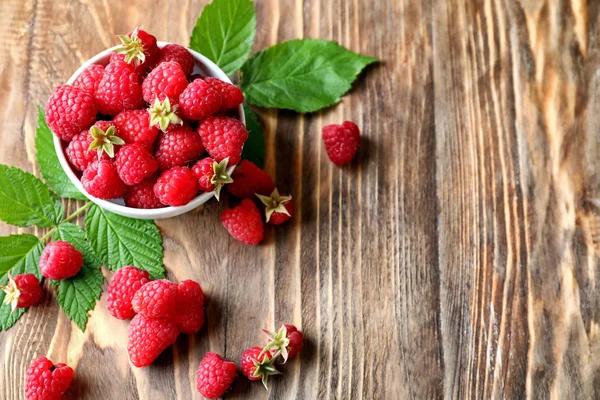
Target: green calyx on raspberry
[163, 114]
[266, 367]
[12, 293]
[132, 47]
[105, 141]
[220, 177]
[274, 203]
[278, 341]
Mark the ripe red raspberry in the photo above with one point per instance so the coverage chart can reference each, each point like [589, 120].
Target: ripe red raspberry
[135, 163]
[231, 94]
[176, 187]
[148, 337]
[190, 309]
[249, 180]
[167, 80]
[156, 299]
[46, 381]
[78, 151]
[211, 175]
[244, 223]
[178, 147]
[142, 195]
[134, 127]
[22, 291]
[69, 111]
[200, 100]
[101, 180]
[288, 340]
[179, 54]
[139, 49]
[257, 365]
[215, 376]
[123, 286]
[60, 260]
[223, 137]
[119, 89]
[341, 142]
[278, 208]
[90, 78]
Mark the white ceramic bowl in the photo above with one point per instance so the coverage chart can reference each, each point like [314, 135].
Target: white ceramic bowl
[203, 66]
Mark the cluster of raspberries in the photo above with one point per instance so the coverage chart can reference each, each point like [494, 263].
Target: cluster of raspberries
[138, 128]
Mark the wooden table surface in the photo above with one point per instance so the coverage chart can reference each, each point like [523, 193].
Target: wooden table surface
[454, 258]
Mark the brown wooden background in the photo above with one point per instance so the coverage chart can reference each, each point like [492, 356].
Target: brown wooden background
[453, 259]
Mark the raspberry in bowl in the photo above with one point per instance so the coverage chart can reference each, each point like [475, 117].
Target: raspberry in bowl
[191, 107]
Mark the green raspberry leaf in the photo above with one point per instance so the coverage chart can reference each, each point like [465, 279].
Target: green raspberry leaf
[50, 167]
[79, 294]
[19, 254]
[301, 75]
[25, 200]
[119, 241]
[225, 32]
[254, 148]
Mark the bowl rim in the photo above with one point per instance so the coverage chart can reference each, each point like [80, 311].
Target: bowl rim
[140, 213]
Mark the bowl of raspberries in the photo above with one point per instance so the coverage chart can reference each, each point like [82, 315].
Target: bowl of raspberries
[148, 129]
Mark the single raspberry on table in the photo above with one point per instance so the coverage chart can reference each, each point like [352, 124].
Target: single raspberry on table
[278, 208]
[288, 341]
[101, 180]
[178, 54]
[215, 375]
[178, 147]
[249, 180]
[138, 48]
[135, 163]
[22, 291]
[123, 286]
[190, 310]
[142, 195]
[60, 260]
[176, 187]
[244, 223]
[223, 137]
[341, 142]
[90, 78]
[156, 299]
[119, 89]
[148, 337]
[69, 111]
[134, 127]
[258, 364]
[46, 381]
[167, 80]
[231, 94]
[211, 175]
[200, 100]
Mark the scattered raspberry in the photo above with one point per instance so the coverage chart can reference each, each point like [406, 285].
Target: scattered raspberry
[134, 127]
[179, 54]
[123, 285]
[249, 180]
[200, 100]
[69, 111]
[119, 89]
[101, 180]
[166, 80]
[278, 209]
[215, 376]
[142, 195]
[231, 94]
[60, 260]
[258, 365]
[22, 291]
[78, 151]
[190, 308]
[135, 163]
[148, 337]
[46, 381]
[288, 341]
[138, 48]
[223, 137]
[341, 142]
[178, 147]
[244, 223]
[176, 187]
[156, 299]
[211, 175]
[90, 78]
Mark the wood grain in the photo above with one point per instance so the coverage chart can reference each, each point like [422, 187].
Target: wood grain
[457, 257]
